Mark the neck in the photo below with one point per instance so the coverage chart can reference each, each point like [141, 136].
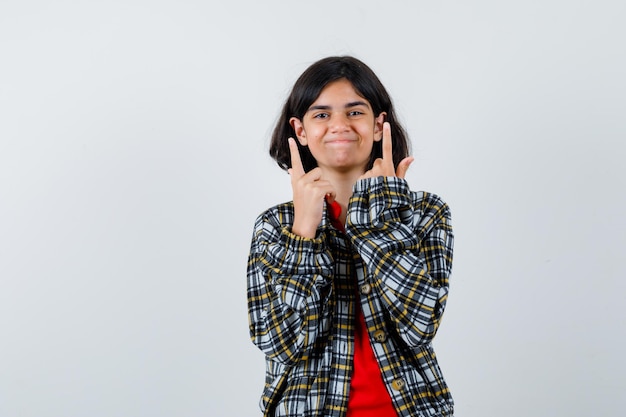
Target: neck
[343, 183]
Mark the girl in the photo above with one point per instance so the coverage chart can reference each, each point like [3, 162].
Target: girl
[348, 282]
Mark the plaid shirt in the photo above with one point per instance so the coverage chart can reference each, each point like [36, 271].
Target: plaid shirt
[394, 259]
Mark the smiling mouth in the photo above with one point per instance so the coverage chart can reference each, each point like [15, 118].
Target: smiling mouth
[339, 141]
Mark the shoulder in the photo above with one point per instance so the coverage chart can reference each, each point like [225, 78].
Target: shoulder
[428, 201]
[430, 211]
[279, 215]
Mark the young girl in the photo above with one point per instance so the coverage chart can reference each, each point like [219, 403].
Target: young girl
[348, 282]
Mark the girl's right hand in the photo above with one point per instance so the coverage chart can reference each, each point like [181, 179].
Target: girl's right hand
[309, 193]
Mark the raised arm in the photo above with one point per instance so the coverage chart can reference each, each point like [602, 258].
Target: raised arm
[406, 242]
[289, 275]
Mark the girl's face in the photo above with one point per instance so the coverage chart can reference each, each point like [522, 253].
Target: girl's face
[340, 128]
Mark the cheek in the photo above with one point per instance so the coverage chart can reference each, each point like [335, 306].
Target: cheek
[370, 134]
[315, 134]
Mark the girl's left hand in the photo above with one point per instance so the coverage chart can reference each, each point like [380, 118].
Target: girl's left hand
[384, 166]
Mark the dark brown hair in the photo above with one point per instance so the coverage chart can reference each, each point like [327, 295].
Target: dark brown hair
[309, 86]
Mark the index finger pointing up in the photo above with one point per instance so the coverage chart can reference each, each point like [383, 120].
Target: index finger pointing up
[297, 170]
[387, 147]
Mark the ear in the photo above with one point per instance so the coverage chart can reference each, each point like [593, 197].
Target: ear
[298, 127]
[378, 126]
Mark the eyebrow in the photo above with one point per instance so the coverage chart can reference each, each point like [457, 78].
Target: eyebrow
[348, 105]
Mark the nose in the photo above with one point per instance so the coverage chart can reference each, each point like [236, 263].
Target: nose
[339, 123]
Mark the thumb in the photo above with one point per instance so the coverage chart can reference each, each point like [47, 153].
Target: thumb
[403, 166]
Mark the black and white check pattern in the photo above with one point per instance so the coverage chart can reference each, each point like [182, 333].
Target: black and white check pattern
[302, 296]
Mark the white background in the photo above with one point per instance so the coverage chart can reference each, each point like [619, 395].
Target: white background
[133, 162]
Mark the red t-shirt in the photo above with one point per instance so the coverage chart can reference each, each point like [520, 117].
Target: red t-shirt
[368, 394]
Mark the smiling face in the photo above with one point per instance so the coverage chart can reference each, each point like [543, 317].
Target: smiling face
[339, 128]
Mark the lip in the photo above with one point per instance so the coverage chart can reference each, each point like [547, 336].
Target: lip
[340, 141]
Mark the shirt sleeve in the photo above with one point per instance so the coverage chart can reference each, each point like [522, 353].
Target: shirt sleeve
[406, 242]
[288, 289]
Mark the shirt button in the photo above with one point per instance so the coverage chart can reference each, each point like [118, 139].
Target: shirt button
[366, 289]
[380, 336]
[397, 384]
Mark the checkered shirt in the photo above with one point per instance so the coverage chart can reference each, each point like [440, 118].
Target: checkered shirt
[394, 260]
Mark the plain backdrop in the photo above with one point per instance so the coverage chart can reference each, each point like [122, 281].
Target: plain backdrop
[133, 162]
